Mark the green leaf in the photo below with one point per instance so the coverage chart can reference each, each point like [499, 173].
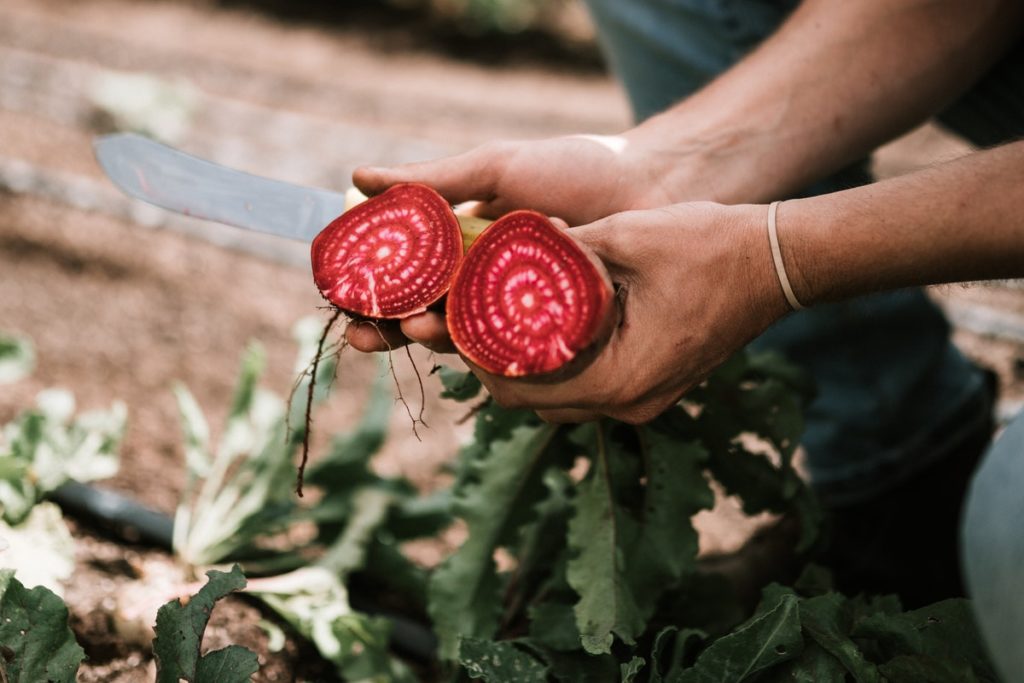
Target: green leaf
[814, 665]
[37, 643]
[498, 491]
[666, 548]
[348, 553]
[765, 641]
[943, 631]
[632, 669]
[553, 625]
[458, 386]
[826, 620]
[673, 650]
[234, 492]
[232, 664]
[763, 397]
[499, 662]
[179, 633]
[17, 358]
[598, 534]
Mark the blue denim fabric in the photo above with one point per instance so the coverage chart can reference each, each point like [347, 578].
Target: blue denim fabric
[893, 393]
[993, 550]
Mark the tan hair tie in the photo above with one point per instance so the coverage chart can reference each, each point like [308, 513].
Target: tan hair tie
[780, 268]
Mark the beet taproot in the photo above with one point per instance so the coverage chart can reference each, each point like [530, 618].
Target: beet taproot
[392, 256]
[529, 301]
[525, 300]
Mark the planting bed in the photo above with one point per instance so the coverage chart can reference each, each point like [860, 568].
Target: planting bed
[118, 311]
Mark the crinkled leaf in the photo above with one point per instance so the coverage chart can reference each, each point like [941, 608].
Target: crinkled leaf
[632, 669]
[180, 627]
[767, 640]
[673, 650]
[493, 499]
[499, 662]
[232, 664]
[632, 549]
[598, 535]
[747, 397]
[458, 386]
[945, 630]
[37, 643]
[541, 555]
[666, 548]
[40, 549]
[825, 619]
[17, 358]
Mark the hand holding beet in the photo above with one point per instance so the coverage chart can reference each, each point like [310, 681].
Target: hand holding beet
[697, 284]
[579, 178]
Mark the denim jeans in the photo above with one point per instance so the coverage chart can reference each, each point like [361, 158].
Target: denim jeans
[894, 395]
[993, 550]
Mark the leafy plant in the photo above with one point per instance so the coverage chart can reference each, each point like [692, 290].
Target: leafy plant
[35, 641]
[179, 634]
[236, 509]
[603, 583]
[48, 446]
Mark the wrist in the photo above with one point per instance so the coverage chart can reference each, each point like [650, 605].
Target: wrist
[746, 228]
[692, 159]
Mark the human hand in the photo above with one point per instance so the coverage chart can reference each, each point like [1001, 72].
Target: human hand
[579, 178]
[699, 285]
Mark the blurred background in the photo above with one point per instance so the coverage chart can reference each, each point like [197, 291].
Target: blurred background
[121, 299]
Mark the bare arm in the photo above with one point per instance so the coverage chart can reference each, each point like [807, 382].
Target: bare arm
[957, 222]
[702, 283]
[838, 79]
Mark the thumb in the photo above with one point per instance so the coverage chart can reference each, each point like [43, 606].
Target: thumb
[460, 178]
[609, 238]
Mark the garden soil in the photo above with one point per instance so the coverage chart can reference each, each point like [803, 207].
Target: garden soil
[120, 311]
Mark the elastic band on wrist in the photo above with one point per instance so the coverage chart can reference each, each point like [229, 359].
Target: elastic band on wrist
[780, 268]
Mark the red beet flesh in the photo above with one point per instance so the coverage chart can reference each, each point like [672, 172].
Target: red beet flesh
[391, 256]
[527, 299]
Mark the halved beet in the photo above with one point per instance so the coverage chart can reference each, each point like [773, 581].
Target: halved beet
[528, 299]
[391, 256]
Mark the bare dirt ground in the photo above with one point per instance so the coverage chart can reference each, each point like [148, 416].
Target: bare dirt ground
[120, 310]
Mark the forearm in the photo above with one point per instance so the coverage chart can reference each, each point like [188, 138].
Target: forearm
[957, 222]
[837, 79]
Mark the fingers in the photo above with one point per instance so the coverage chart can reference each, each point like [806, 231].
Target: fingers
[374, 336]
[430, 330]
[460, 178]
